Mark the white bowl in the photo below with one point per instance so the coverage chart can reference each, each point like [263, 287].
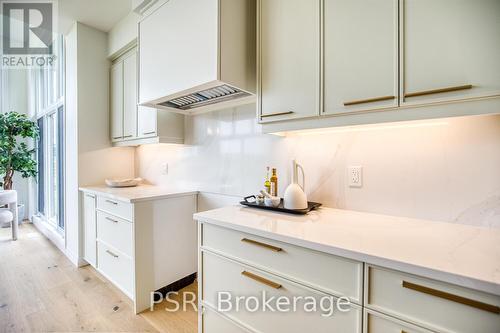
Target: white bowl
[123, 182]
[272, 202]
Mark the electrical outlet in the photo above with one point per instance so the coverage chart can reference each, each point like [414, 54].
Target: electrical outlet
[355, 175]
[164, 168]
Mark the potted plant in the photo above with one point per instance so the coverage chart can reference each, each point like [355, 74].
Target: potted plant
[15, 155]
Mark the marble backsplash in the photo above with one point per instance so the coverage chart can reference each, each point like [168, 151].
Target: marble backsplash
[445, 169]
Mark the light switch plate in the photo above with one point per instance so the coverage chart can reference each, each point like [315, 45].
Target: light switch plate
[355, 176]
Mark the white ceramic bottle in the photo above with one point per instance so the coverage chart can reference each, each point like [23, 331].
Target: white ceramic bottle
[295, 197]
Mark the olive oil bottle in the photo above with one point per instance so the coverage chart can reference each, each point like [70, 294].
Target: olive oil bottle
[274, 183]
[267, 183]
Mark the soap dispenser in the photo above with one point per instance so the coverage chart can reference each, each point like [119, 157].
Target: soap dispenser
[295, 197]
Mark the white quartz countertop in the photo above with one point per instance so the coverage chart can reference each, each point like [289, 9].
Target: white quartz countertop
[137, 193]
[460, 254]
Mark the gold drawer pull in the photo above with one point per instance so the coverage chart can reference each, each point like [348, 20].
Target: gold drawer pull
[276, 114]
[267, 246]
[112, 254]
[369, 100]
[438, 91]
[261, 280]
[112, 202]
[451, 297]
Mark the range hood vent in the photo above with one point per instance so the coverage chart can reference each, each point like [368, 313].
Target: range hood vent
[205, 97]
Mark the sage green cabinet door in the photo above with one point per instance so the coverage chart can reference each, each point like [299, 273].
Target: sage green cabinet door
[116, 102]
[450, 44]
[89, 228]
[360, 55]
[289, 39]
[146, 121]
[130, 96]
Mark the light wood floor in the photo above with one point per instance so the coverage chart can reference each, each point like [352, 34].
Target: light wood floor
[41, 291]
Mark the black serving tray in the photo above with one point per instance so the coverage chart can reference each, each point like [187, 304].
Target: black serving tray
[280, 207]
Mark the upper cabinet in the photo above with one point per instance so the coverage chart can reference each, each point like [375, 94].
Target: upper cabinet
[451, 49]
[197, 54]
[325, 63]
[124, 97]
[360, 55]
[289, 59]
[132, 125]
[130, 96]
[116, 101]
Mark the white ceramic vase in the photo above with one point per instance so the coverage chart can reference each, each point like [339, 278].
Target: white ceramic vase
[295, 197]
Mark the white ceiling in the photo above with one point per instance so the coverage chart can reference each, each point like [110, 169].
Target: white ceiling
[100, 14]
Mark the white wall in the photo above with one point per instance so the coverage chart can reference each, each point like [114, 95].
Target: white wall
[89, 156]
[446, 169]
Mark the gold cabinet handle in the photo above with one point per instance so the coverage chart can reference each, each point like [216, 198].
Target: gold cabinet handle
[116, 137]
[451, 297]
[369, 100]
[112, 254]
[276, 114]
[261, 280]
[110, 219]
[438, 91]
[264, 245]
[112, 202]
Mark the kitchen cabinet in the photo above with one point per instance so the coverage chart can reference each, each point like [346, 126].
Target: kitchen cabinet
[132, 125]
[257, 259]
[379, 61]
[89, 228]
[146, 121]
[450, 50]
[289, 59]
[116, 102]
[128, 232]
[130, 96]
[360, 55]
[124, 97]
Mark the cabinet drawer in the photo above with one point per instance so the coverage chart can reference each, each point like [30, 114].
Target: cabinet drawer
[117, 267]
[215, 323]
[332, 274]
[118, 208]
[235, 279]
[437, 305]
[379, 323]
[116, 232]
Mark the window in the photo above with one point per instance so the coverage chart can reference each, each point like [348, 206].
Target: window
[47, 89]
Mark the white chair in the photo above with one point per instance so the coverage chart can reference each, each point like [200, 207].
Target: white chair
[7, 215]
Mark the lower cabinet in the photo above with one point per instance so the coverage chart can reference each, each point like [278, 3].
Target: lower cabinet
[439, 306]
[117, 267]
[379, 323]
[127, 242]
[223, 278]
[89, 228]
[236, 280]
[215, 322]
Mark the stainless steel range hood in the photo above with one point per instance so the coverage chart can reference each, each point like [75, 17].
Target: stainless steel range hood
[198, 61]
[218, 94]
